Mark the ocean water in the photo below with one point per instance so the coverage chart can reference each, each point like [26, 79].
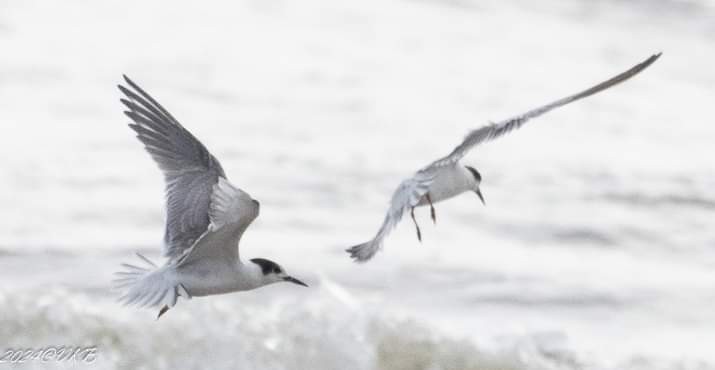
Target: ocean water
[596, 249]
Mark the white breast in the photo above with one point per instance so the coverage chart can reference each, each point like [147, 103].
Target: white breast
[206, 277]
[450, 181]
[214, 274]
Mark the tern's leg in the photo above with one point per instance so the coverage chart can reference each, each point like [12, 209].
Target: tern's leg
[162, 311]
[419, 234]
[431, 209]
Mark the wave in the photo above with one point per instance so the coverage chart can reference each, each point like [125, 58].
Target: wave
[230, 334]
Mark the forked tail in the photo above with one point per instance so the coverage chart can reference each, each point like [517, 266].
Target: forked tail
[147, 286]
[365, 251]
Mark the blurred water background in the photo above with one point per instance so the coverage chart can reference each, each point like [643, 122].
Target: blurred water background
[596, 249]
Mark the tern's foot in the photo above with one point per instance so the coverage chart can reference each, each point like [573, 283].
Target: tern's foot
[419, 234]
[432, 213]
[162, 311]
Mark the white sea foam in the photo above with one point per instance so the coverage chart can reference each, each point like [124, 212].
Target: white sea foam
[289, 335]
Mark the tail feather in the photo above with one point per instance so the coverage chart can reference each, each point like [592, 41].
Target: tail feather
[121, 284]
[155, 298]
[148, 261]
[146, 287]
[124, 273]
[133, 268]
[147, 299]
[365, 251]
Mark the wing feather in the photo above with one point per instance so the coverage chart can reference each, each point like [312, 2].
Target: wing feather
[190, 171]
[495, 130]
[231, 211]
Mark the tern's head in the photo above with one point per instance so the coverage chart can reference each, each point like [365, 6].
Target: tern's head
[477, 177]
[272, 272]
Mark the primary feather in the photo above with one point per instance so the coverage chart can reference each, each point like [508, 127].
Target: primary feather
[190, 171]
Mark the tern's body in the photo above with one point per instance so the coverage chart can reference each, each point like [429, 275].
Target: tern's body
[206, 217]
[446, 177]
[209, 277]
[448, 182]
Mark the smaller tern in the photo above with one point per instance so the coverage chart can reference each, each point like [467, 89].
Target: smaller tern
[446, 178]
[205, 218]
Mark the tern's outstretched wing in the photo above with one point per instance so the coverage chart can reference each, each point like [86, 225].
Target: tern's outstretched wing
[406, 196]
[190, 171]
[231, 212]
[498, 129]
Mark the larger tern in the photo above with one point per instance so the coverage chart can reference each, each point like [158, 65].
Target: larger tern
[205, 218]
[446, 177]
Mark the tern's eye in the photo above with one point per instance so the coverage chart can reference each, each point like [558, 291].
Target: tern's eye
[277, 270]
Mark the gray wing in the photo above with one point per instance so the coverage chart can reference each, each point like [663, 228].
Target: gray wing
[231, 211]
[495, 130]
[406, 196]
[190, 171]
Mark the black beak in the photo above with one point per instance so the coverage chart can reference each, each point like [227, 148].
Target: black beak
[294, 281]
[481, 197]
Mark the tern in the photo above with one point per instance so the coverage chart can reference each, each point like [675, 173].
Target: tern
[206, 216]
[446, 178]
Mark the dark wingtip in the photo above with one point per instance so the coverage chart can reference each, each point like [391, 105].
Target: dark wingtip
[127, 103]
[648, 61]
[124, 90]
[127, 80]
[133, 85]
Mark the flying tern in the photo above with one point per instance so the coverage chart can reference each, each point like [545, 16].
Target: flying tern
[206, 216]
[446, 178]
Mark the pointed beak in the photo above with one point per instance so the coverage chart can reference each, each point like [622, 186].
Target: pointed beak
[294, 281]
[481, 197]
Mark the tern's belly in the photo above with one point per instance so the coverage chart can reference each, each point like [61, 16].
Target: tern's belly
[438, 194]
[206, 277]
[447, 184]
